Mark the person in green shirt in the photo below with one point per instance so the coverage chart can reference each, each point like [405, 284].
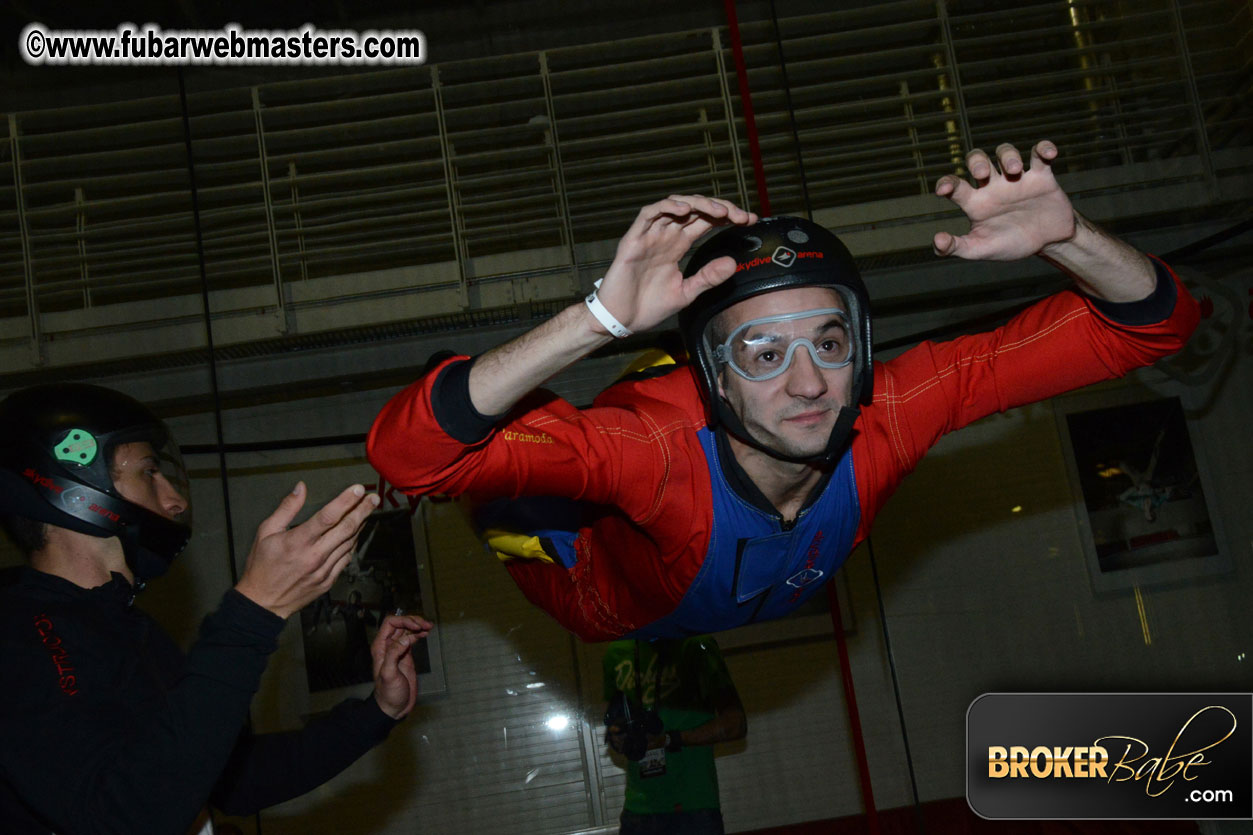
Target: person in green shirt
[665, 721]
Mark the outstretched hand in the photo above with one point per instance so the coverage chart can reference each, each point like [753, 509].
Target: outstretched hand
[288, 569]
[395, 676]
[1014, 210]
[644, 286]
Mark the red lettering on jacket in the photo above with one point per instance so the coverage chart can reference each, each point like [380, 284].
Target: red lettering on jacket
[66, 679]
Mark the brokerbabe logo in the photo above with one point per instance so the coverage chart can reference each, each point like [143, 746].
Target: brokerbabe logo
[1111, 755]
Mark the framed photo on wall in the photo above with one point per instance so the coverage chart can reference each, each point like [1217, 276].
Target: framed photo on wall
[390, 572]
[1144, 501]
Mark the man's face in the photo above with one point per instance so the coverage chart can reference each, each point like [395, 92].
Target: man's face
[138, 477]
[794, 412]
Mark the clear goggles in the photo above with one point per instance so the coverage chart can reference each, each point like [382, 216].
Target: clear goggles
[761, 349]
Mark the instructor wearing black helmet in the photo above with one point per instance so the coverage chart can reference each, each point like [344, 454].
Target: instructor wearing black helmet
[105, 726]
[730, 490]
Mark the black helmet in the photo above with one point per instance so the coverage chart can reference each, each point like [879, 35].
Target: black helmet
[776, 253]
[56, 448]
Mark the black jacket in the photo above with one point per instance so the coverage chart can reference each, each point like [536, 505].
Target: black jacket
[105, 726]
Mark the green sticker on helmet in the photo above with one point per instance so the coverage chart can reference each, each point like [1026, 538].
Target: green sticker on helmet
[78, 447]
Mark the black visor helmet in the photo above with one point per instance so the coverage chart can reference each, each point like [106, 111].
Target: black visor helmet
[777, 253]
[57, 447]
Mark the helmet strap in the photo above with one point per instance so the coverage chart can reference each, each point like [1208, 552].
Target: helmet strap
[145, 564]
[143, 534]
[841, 433]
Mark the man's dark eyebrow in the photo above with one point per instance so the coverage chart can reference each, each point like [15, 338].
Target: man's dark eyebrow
[834, 320]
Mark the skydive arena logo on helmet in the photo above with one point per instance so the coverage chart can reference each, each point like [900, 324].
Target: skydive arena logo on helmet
[41, 480]
[782, 256]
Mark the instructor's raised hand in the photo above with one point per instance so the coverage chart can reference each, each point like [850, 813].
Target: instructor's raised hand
[290, 568]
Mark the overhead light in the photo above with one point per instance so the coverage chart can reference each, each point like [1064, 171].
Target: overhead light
[558, 722]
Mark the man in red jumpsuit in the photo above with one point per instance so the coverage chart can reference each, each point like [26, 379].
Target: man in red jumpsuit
[730, 489]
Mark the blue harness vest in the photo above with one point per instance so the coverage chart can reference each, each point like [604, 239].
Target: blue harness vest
[754, 569]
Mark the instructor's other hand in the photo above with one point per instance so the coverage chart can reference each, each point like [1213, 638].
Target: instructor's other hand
[395, 675]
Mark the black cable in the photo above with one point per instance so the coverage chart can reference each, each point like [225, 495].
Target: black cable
[975, 323]
[208, 327]
[896, 685]
[271, 446]
[1187, 250]
[208, 330]
[791, 112]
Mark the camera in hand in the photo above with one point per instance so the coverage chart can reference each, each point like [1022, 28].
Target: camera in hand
[634, 723]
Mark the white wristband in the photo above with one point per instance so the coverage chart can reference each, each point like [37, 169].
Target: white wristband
[603, 315]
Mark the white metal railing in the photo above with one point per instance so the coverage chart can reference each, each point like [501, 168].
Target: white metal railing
[544, 151]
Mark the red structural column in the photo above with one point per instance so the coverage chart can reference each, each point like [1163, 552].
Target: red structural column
[854, 716]
[746, 101]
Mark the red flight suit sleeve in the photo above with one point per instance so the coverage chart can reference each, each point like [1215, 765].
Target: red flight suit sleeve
[544, 446]
[1062, 343]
